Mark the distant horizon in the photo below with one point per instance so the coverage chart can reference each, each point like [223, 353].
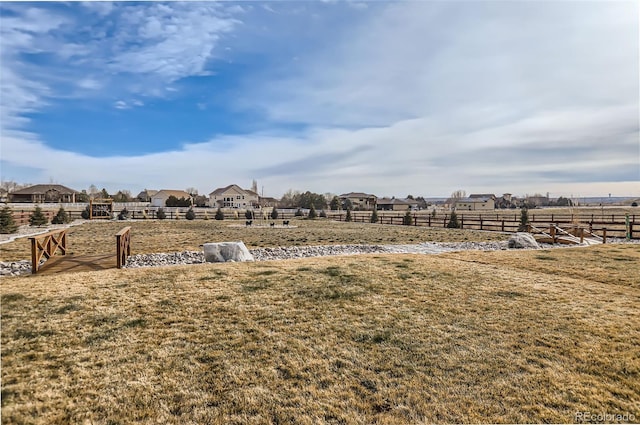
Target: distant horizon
[417, 97]
[134, 193]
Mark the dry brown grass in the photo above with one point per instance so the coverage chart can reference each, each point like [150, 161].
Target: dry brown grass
[181, 235]
[462, 337]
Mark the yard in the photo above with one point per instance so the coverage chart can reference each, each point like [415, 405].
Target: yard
[515, 336]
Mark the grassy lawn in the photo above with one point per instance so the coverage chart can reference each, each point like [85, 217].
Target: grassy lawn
[533, 336]
[182, 235]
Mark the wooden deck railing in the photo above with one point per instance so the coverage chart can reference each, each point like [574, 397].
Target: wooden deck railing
[47, 245]
[123, 246]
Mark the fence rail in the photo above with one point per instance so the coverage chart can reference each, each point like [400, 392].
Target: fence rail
[123, 246]
[47, 245]
[614, 225]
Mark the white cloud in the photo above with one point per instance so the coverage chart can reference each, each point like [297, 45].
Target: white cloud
[418, 97]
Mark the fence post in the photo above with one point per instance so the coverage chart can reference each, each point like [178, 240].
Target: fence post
[429, 222]
[604, 235]
[415, 220]
[552, 232]
[503, 225]
[480, 222]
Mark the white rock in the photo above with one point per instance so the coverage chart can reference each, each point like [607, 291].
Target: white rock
[220, 252]
[523, 240]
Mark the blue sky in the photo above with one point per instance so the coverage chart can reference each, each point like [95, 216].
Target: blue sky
[389, 98]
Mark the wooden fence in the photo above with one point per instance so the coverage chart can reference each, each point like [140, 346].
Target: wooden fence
[500, 221]
[612, 225]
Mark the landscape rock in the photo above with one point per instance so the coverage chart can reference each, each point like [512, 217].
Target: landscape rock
[220, 252]
[523, 240]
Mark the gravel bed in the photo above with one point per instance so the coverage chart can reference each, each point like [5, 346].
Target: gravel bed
[15, 268]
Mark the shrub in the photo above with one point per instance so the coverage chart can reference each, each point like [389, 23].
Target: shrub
[407, 220]
[85, 213]
[634, 204]
[206, 216]
[312, 213]
[177, 214]
[144, 215]
[190, 215]
[274, 214]
[248, 215]
[61, 217]
[37, 217]
[453, 221]
[374, 216]
[219, 214]
[433, 213]
[524, 220]
[348, 217]
[7, 223]
[299, 213]
[124, 214]
[160, 214]
[323, 214]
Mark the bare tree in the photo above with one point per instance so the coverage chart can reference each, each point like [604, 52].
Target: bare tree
[456, 196]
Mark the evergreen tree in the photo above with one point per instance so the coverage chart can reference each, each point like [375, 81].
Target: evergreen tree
[85, 213]
[453, 221]
[7, 223]
[374, 216]
[312, 212]
[37, 217]
[407, 220]
[524, 220]
[274, 214]
[190, 215]
[61, 217]
[160, 214]
[323, 214]
[335, 203]
[219, 215]
[348, 217]
[248, 215]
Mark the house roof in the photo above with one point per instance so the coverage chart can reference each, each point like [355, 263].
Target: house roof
[474, 200]
[148, 192]
[482, 195]
[40, 189]
[357, 195]
[232, 187]
[392, 201]
[177, 193]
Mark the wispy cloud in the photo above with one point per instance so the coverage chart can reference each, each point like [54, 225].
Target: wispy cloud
[417, 97]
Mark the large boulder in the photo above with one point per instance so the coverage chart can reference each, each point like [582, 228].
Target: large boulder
[220, 252]
[523, 240]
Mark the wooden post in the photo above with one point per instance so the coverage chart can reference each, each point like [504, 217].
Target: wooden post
[480, 222]
[581, 235]
[503, 225]
[604, 235]
[552, 232]
[415, 220]
[429, 220]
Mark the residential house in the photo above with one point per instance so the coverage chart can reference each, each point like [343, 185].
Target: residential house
[476, 203]
[359, 200]
[159, 199]
[537, 200]
[233, 196]
[393, 204]
[145, 195]
[267, 202]
[43, 193]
